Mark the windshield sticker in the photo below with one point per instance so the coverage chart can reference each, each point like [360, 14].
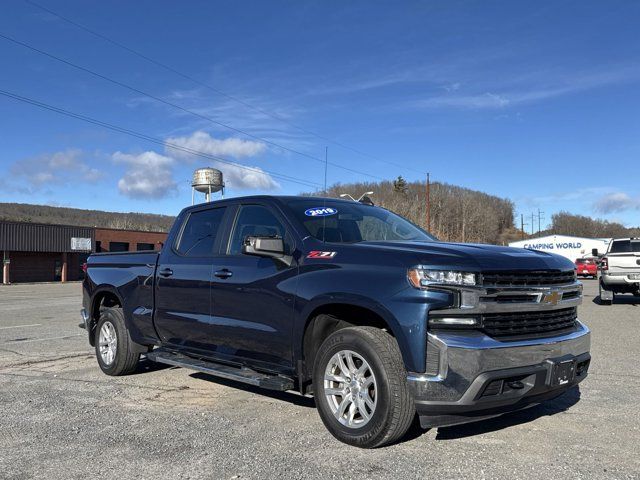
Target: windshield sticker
[319, 254]
[320, 211]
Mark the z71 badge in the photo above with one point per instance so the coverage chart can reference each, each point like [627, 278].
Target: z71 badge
[321, 255]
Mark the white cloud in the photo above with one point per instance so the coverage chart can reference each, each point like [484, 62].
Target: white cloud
[57, 168]
[452, 87]
[235, 175]
[151, 174]
[485, 100]
[148, 175]
[616, 202]
[580, 194]
[514, 89]
[255, 179]
[205, 143]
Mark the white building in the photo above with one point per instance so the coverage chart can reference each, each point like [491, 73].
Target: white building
[570, 247]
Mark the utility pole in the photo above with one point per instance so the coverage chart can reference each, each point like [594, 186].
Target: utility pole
[522, 224]
[428, 213]
[540, 215]
[533, 215]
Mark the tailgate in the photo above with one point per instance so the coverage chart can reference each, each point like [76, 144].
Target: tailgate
[624, 256]
[624, 261]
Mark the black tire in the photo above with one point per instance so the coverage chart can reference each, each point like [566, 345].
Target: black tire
[394, 408]
[603, 302]
[127, 352]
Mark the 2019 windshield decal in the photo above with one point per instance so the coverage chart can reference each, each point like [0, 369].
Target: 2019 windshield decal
[320, 211]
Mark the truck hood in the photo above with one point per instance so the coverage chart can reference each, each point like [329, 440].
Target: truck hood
[472, 256]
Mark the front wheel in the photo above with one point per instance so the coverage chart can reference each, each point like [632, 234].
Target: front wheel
[360, 387]
[117, 354]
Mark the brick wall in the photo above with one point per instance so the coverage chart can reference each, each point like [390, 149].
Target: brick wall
[105, 236]
[41, 267]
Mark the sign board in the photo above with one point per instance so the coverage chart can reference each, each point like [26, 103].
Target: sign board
[83, 244]
[567, 246]
[6, 261]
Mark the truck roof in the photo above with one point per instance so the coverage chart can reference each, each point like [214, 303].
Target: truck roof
[280, 198]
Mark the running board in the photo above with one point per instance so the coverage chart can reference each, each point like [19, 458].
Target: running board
[242, 374]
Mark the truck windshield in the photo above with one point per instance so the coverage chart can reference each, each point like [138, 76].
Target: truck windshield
[345, 222]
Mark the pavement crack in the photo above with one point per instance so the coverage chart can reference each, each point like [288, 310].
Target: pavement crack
[12, 351]
[44, 360]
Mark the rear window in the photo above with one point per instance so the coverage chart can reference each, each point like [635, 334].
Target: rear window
[625, 246]
[580, 261]
[200, 231]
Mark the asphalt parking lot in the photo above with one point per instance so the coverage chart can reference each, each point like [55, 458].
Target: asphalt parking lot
[61, 418]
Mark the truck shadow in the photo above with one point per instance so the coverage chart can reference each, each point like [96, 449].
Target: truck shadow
[288, 396]
[548, 408]
[619, 300]
[146, 366]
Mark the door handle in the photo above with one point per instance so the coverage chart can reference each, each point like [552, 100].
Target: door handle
[224, 273]
[165, 272]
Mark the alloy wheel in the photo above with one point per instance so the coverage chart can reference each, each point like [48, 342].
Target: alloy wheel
[350, 389]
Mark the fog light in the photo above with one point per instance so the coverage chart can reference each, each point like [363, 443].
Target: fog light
[455, 321]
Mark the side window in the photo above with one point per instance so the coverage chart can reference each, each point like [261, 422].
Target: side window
[199, 234]
[254, 220]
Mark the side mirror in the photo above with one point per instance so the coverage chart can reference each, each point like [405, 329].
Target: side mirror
[270, 247]
[594, 252]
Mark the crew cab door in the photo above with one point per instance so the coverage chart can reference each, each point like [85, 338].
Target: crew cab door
[253, 296]
[183, 280]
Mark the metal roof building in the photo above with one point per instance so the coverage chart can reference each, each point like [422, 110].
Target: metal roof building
[34, 252]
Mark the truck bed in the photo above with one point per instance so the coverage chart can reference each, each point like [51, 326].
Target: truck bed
[123, 259]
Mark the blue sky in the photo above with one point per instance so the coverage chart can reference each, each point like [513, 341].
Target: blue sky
[535, 101]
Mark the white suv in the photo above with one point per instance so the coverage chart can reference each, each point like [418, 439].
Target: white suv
[620, 269]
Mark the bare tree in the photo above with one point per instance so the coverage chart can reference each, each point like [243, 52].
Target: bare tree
[457, 214]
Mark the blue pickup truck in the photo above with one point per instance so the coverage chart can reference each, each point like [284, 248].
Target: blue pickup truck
[348, 302]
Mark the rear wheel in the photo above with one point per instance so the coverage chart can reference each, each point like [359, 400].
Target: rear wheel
[603, 301]
[117, 354]
[360, 387]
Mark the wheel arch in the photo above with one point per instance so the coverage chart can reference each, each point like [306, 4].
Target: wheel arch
[104, 296]
[333, 314]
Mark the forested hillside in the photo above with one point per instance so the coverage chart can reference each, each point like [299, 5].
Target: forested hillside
[457, 214]
[564, 223]
[22, 212]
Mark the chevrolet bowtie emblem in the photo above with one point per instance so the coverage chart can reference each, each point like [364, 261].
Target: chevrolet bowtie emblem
[552, 297]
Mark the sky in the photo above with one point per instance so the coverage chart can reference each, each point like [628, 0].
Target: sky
[538, 102]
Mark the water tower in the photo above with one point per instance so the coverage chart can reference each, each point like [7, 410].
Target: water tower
[206, 180]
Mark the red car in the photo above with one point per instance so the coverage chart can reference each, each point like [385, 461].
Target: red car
[587, 267]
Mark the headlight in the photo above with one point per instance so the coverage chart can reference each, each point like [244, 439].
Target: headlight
[421, 278]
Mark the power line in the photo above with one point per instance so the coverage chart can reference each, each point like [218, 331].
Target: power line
[151, 139]
[174, 105]
[214, 89]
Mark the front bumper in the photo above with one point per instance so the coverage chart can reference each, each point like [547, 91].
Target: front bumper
[480, 377]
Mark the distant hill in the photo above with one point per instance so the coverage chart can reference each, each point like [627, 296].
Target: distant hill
[23, 212]
[565, 223]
